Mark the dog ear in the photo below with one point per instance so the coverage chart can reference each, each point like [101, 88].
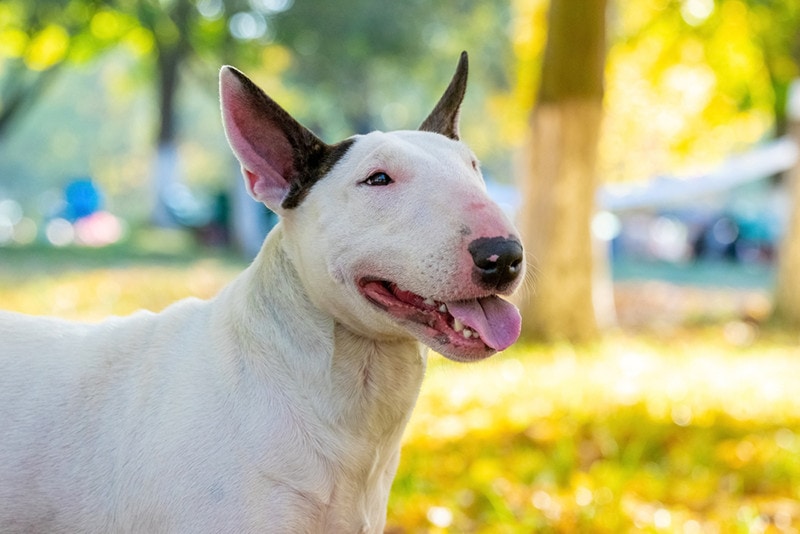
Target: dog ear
[280, 158]
[444, 117]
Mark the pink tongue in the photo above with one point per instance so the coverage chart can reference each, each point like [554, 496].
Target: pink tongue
[498, 322]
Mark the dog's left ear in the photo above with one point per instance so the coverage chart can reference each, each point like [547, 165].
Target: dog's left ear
[280, 158]
[444, 117]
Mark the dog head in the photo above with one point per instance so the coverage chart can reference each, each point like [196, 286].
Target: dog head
[393, 233]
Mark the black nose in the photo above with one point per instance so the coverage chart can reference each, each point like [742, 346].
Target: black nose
[498, 261]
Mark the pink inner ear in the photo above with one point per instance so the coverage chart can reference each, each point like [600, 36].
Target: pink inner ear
[257, 141]
[256, 187]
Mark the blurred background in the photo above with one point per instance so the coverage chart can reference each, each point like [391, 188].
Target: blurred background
[648, 149]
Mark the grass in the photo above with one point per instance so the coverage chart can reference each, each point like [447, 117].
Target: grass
[89, 284]
[631, 435]
[691, 430]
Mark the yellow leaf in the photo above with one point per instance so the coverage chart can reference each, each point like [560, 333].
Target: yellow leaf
[139, 41]
[13, 42]
[47, 48]
[105, 25]
[276, 59]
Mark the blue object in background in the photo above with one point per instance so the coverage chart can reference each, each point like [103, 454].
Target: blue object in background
[82, 198]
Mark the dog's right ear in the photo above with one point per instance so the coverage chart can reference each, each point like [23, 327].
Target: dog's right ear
[280, 158]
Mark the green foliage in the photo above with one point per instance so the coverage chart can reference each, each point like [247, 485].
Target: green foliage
[710, 77]
[45, 33]
[340, 67]
[37, 38]
[358, 66]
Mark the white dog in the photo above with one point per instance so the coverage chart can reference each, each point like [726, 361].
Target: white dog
[277, 406]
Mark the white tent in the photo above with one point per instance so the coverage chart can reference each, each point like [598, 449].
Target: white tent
[665, 192]
[662, 192]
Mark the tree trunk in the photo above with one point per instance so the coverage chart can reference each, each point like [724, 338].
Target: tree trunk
[166, 171]
[19, 95]
[787, 290]
[558, 197]
[172, 53]
[560, 180]
[166, 183]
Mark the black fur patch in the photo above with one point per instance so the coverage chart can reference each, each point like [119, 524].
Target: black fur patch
[311, 165]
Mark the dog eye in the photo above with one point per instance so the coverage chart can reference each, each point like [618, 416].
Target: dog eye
[379, 178]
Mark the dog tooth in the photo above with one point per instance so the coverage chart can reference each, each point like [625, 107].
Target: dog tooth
[467, 333]
[443, 308]
[429, 302]
[458, 326]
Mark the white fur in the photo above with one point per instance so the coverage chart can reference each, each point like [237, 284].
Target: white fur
[277, 406]
[253, 410]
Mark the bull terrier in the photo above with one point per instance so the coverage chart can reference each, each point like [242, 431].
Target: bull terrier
[277, 406]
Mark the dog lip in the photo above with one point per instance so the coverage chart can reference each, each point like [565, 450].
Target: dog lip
[427, 319]
[441, 299]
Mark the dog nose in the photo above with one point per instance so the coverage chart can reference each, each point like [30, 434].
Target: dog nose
[498, 261]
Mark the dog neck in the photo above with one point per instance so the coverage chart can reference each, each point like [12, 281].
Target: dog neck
[356, 392]
[366, 386]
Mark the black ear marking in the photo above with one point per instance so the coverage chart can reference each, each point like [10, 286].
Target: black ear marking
[281, 158]
[444, 117]
[317, 165]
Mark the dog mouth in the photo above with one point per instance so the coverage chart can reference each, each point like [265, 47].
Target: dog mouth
[462, 330]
